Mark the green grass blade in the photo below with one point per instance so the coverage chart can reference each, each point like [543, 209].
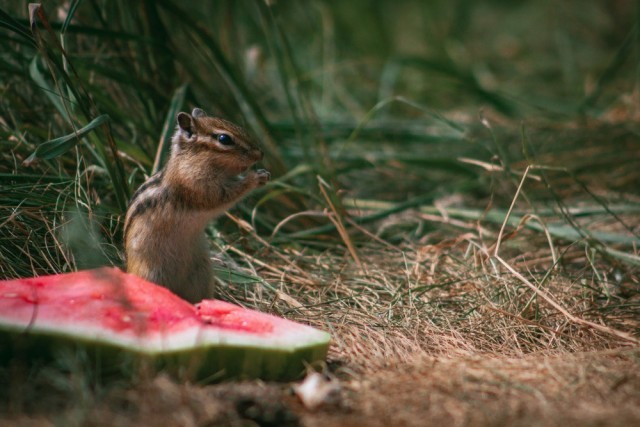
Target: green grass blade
[48, 90]
[8, 22]
[177, 102]
[58, 146]
[612, 69]
[233, 276]
[70, 14]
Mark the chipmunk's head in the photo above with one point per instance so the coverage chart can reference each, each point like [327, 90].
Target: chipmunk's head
[215, 143]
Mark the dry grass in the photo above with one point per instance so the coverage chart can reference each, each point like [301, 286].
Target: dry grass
[594, 388]
[455, 297]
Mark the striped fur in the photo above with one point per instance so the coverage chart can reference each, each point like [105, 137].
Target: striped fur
[165, 221]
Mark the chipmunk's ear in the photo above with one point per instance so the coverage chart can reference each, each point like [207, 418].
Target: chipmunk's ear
[197, 112]
[185, 121]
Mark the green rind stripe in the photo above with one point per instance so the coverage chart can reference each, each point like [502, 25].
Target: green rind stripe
[208, 362]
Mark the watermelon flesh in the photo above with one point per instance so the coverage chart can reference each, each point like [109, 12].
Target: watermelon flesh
[121, 320]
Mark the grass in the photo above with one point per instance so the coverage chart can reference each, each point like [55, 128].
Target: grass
[455, 196]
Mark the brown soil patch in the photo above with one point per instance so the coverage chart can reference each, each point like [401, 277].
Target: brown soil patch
[584, 389]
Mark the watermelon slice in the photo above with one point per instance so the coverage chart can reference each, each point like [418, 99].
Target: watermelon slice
[122, 321]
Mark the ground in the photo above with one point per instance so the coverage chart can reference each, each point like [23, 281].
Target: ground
[417, 358]
[594, 388]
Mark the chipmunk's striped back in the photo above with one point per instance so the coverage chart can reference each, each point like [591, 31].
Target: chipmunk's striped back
[149, 195]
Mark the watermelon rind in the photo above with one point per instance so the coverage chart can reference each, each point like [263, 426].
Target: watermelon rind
[201, 363]
[207, 353]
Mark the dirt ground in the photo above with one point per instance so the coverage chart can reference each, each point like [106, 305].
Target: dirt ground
[600, 388]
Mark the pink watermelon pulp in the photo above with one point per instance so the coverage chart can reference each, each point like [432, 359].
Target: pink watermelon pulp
[119, 319]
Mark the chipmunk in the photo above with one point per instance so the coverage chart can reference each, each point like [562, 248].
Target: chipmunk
[206, 174]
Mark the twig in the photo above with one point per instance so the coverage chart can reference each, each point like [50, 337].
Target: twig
[263, 264]
[247, 227]
[337, 222]
[371, 235]
[529, 322]
[506, 217]
[622, 335]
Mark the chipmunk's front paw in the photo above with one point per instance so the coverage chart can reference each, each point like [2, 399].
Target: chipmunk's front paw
[263, 176]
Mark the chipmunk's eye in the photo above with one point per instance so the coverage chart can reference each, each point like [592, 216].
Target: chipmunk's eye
[224, 139]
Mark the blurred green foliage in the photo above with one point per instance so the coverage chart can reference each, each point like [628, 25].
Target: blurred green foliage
[379, 97]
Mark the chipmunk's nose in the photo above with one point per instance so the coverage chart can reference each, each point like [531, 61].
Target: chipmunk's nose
[258, 154]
